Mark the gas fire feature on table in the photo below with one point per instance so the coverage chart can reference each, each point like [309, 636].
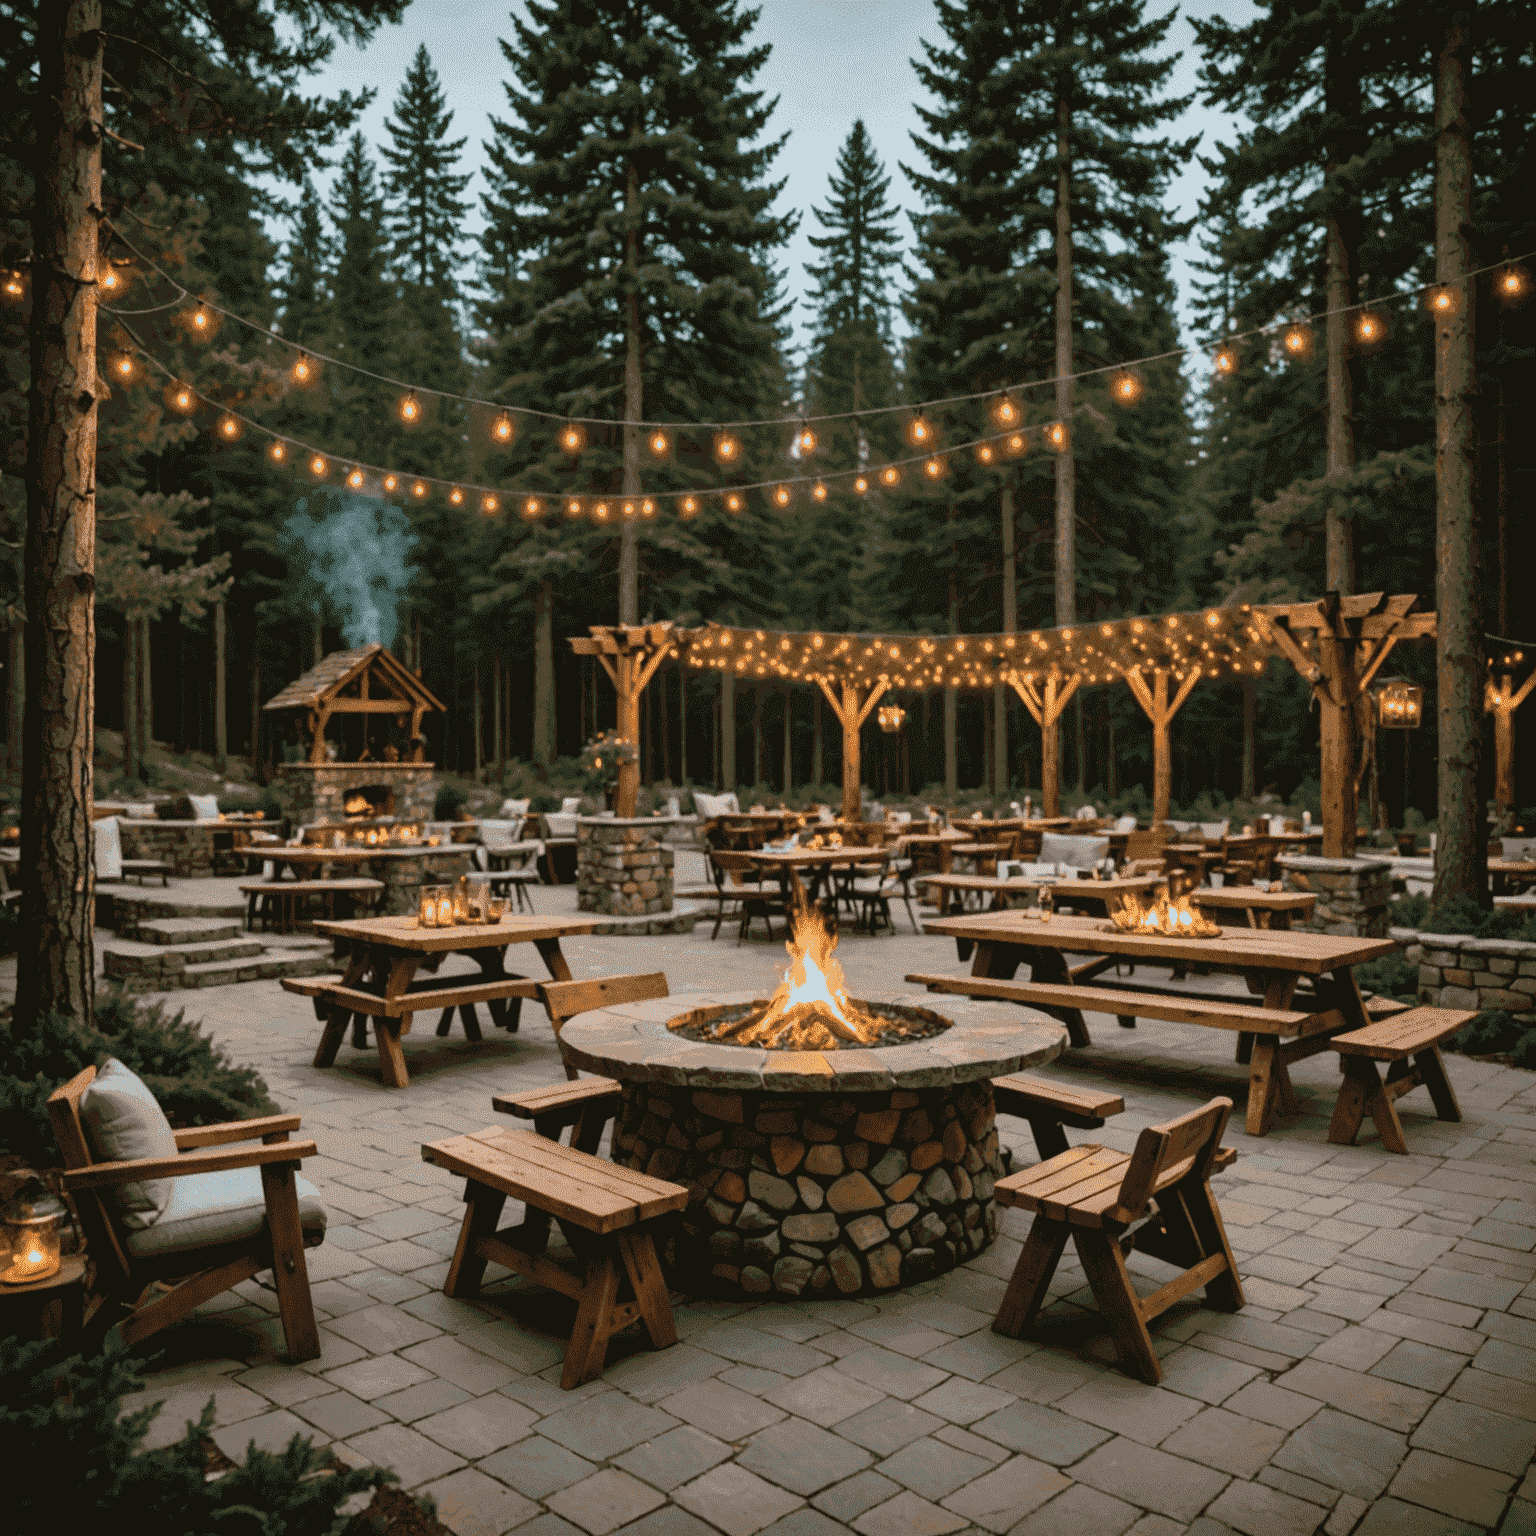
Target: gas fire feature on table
[830, 1146]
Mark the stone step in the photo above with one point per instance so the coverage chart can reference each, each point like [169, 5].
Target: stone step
[185, 930]
[268, 965]
[125, 959]
[123, 911]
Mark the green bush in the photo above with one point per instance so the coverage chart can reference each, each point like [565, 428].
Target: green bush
[1490, 1033]
[77, 1464]
[1461, 915]
[194, 1081]
[1391, 976]
[450, 801]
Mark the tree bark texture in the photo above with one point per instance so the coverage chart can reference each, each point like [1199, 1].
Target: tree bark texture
[952, 698]
[1250, 702]
[1461, 857]
[498, 723]
[56, 970]
[131, 751]
[255, 710]
[816, 748]
[1010, 625]
[1066, 468]
[634, 405]
[146, 694]
[544, 675]
[220, 694]
[727, 731]
[789, 739]
[682, 724]
[478, 760]
[16, 694]
[1341, 90]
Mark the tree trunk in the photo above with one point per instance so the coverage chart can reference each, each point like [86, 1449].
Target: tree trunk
[789, 740]
[478, 758]
[757, 736]
[682, 724]
[1066, 469]
[1080, 747]
[817, 776]
[220, 696]
[1010, 625]
[146, 690]
[1461, 858]
[56, 957]
[16, 695]
[255, 708]
[1341, 90]
[634, 405]
[952, 700]
[131, 751]
[727, 731]
[1250, 702]
[318, 638]
[664, 724]
[544, 676]
[498, 741]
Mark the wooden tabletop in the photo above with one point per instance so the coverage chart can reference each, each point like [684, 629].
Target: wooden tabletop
[1065, 888]
[1306, 954]
[848, 854]
[1512, 866]
[1252, 896]
[310, 854]
[403, 932]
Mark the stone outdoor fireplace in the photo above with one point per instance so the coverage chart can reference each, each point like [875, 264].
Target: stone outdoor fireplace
[321, 792]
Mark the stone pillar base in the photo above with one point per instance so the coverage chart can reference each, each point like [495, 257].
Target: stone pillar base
[623, 868]
[1352, 894]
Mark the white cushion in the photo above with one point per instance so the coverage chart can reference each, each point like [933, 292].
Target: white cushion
[499, 835]
[1215, 829]
[123, 1122]
[570, 805]
[716, 805]
[211, 1209]
[513, 808]
[1085, 813]
[556, 825]
[204, 807]
[1079, 852]
[107, 848]
[1125, 824]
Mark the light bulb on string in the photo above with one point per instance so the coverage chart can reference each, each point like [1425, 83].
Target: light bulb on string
[419, 489]
[890, 475]
[688, 506]
[318, 467]
[985, 453]
[14, 287]
[1512, 284]
[1015, 444]
[628, 509]
[919, 432]
[1442, 300]
[805, 440]
[200, 322]
[229, 427]
[647, 507]
[391, 484]
[1125, 387]
[819, 491]
[503, 429]
[456, 497]
[408, 409]
[573, 507]
[781, 496]
[532, 507]
[733, 501]
[123, 367]
[1297, 340]
[113, 280]
[277, 451]
[1225, 361]
[1005, 411]
[180, 398]
[1370, 327]
[659, 442]
[355, 480]
[304, 369]
[490, 504]
[933, 467]
[727, 447]
[860, 484]
[600, 512]
[573, 438]
[1058, 436]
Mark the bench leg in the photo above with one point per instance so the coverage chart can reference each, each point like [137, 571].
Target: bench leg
[1031, 1277]
[1112, 1289]
[360, 1031]
[330, 1036]
[1126, 1020]
[444, 1022]
[386, 1035]
[638, 1250]
[1050, 1138]
[1262, 1087]
[1431, 1068]
[1362, 1091]
[588, 1348]
[289, 1271]
[482, 1210]
[470, 1020]
[1244, 1047]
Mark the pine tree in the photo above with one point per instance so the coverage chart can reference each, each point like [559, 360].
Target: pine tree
[626, 240]
[359, 283]
[424, 192]
[302, 287]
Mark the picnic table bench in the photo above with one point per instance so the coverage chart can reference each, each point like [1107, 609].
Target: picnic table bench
[1247, 906]
[606, 1213]
[284, 898]
[137, 869]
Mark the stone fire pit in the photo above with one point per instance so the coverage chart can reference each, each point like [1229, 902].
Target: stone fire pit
[829, 1173]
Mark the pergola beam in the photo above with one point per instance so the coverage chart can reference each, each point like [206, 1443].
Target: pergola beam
[1160, 710]
[1502, 702]
[1046, 705]
[630, 655]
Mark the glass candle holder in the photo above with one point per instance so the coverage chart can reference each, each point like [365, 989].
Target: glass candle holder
[426, 906]
[495, 907]
[32, 1236]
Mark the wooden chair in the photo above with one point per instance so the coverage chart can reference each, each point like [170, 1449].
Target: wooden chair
[130, 1274]
[1394, 1038]
[1157, 1199]
[876, 886]
[756, 899]
[727, 897]
[565, 999]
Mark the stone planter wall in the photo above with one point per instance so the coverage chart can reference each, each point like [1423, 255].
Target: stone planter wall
[623, 868]
[1352, 894]
[1458, 972]
[187, 846]
[831, 1195]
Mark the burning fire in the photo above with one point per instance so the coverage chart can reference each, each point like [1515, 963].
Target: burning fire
[1174, 918]
[357, 805]
[811, 1010]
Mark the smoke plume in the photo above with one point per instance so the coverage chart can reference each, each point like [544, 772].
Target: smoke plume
[357, 551]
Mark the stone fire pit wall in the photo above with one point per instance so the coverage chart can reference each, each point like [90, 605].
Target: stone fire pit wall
[623, 868]
[834, 1173]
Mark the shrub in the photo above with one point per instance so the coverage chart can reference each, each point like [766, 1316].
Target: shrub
[1461, 915]
[77, 1464]
[194, 1081]
[1489, 1034]
[450, 801]
[1391, 976]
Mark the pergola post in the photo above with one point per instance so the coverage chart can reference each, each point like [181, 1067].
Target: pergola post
[1046, 704]
[1502, 701]
[852, 712]
[630, 655]
[1160, 711]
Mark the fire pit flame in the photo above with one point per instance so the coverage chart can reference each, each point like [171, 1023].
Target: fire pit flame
[1173, 918]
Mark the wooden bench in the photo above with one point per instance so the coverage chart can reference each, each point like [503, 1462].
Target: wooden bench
[1156, 1200]
[1415, 1033]
[1272, 1038]
[605, 1213]
[586, 1105]
[517, 882]
[444, 992]
[1050, 1105]
[137, 869]
[284, 897]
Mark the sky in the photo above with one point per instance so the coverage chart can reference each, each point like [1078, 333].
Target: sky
[832, 61]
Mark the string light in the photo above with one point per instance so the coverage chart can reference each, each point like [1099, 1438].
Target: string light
[733, 501]
[14, 287]
[1005, 412]
[890, 475]
[532, 507]
[1442, 300]
[727, 448]
[573, 438]
[628, 509]
[805, 440]
[1225, 361]
[1057, 436]
[180, 398]
[456, 497]
[229, 427]
[688, 506]
[933, 467]
[573, 506]
[1297, 340]
[355, 480]
[919, 432]
[391, 484]
[123, 366]
[200, 322]
[600, 512]
[659, 443]
[781, 496]
[409, 409]
[985, 453]
[503, 429]
[1015, 444]
[647, 507]
[861, 484]
[304, 369]
[277, 451]
[1126, 387]
[419, 489]
[819, 491]
[318, 466]
[1513, 284]
[1370, 327]
[112, 281]
[490, 504]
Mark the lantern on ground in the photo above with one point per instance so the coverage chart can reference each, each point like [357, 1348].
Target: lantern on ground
[1400, 704]
[891, 717]
[32, 1237]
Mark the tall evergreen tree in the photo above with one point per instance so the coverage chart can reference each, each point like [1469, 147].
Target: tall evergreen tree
[302, 285]
[360, 282]
[423, 188]
[626, 241]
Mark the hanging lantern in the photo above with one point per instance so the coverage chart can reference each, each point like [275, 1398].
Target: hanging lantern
[31, 1234]
[1400, 704]
[891, 717]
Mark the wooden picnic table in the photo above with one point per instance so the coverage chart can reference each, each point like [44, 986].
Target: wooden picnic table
[1511, 876]
[302, 859]
[1249, 906]
[786, 863]
[386, 952]
[1072, 891]
[1273, 961]
[949, 852]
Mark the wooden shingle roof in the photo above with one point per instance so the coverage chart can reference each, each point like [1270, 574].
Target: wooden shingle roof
[325, 680]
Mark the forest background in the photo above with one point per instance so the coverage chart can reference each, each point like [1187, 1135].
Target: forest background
[629, 249]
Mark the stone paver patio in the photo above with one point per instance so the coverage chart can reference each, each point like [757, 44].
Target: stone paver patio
[1382, 1377]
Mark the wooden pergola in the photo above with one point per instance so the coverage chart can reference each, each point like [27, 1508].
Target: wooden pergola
[365, 681]
[1338, 644]
[1502, 699]
[630, 655]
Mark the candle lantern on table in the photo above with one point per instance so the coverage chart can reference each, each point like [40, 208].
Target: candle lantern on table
[33, 1240]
